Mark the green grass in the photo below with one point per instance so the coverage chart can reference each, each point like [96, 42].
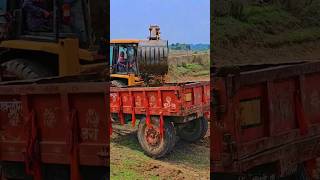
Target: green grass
[128, 160]
[268, 26]
[293, 37]
[191, 69]
[269, 19]
[230, 29]
[126, 169]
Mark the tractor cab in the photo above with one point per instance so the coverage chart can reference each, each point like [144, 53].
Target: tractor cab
[123, 57]
[134, 62]
[124, 62]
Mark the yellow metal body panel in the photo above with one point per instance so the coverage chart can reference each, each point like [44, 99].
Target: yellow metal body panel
[250, 112]
[86, 55]
[49, 47]
[131, 78]
[188, 97]
[69, 57]
[67, 49]
[125, 41]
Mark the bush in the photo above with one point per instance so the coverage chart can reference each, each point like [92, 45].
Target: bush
[232, 8]
[293, 5]
[310, 15]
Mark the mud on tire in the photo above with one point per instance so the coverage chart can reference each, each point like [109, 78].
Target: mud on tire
[156, 147]
[194, 130]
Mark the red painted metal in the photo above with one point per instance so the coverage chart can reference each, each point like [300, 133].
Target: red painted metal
[165, 101]
[63, 123]
[289, 131]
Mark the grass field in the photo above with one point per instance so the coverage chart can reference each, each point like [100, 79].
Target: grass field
[187, 161]
[189, 67]
[267, 34]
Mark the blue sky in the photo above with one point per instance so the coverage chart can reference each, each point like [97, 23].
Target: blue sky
[183, 21]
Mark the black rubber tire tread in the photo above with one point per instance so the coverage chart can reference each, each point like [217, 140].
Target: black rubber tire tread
[199, 130]
[118, 83]
[165, 146]
[205, 127]
[26, 69]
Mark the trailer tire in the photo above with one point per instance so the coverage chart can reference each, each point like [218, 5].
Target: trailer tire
[195, 130]
[159, 147]
[26, 69]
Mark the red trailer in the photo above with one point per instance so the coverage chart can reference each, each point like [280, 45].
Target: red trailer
[54, 130]
[164, 112]
[266, 121]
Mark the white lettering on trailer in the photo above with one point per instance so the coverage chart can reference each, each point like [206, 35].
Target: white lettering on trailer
[138, 101]
[113, 97]
[92, 131]
[152, 101]
[14, 110]
[169, 104]
[49, 116]
[89, 134]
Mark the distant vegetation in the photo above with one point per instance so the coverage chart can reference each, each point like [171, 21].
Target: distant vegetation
[189, 47]
[264, 31]
[268, 23]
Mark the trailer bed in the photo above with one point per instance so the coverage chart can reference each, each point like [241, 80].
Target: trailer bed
[164, 113]
[176, 100]
[266, 116]
[55, 123]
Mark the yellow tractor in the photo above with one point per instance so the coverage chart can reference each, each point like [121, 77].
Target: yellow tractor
[134, 62]
[73, 43]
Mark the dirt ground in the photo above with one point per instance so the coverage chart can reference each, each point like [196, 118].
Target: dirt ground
[187, 161]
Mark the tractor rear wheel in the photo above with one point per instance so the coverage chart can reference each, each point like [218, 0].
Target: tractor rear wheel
[151, 141]
[20, 69]
[194, 130]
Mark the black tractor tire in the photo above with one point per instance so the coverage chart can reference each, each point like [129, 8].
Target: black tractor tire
[164, 145]
[26, 69]
[194, 130]
[118, 83]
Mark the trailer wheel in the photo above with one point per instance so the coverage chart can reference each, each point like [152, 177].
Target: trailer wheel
[22, 69]
[194, 130]
[150, 140]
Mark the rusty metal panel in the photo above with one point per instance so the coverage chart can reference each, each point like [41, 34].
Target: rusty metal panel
[284, 106]
[312, 98]
[287, 97]
[249, 115]
[91, 112]
[51, 107]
